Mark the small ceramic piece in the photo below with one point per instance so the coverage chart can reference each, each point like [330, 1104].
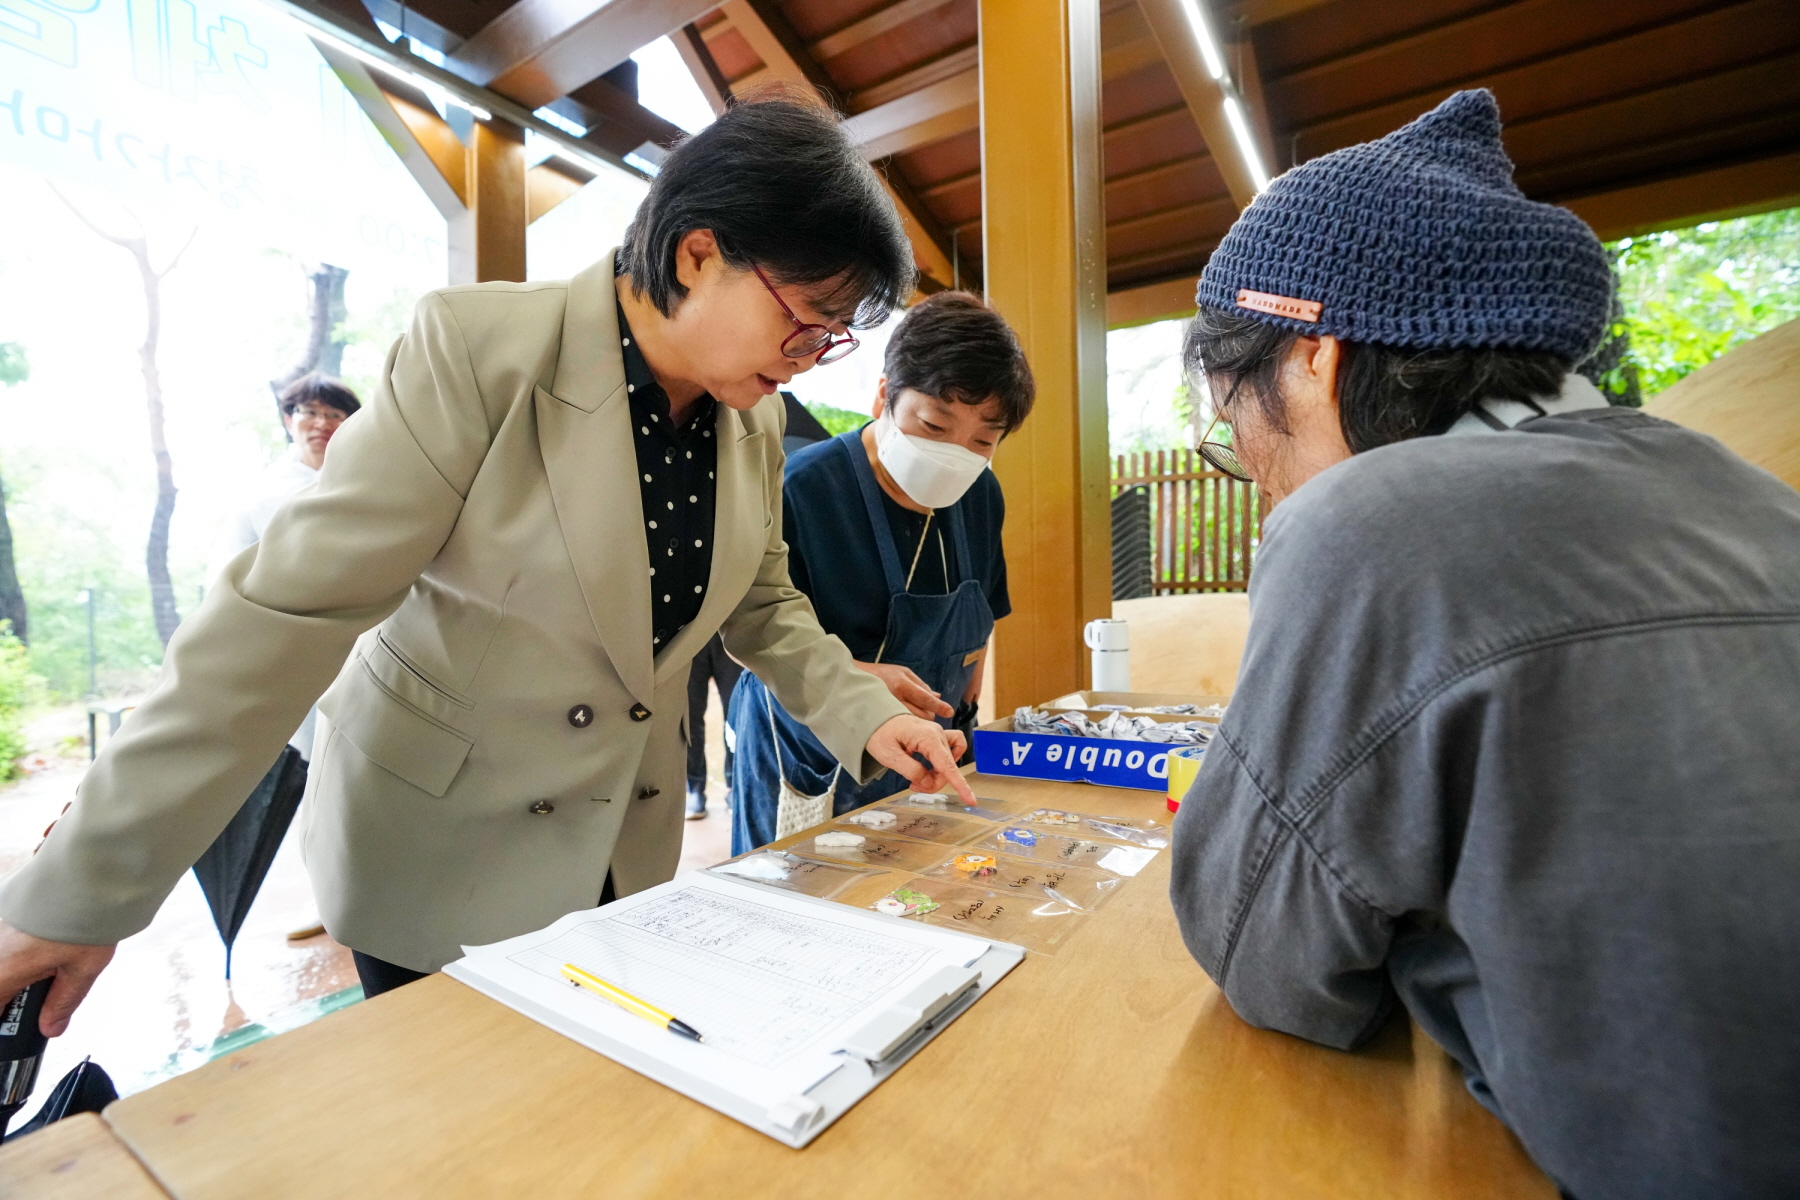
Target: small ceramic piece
[873, 819]
[905, 902]
[838, 840]
[1054, 816]
[767, 866]
[935, 798]
[975, 866]
[1019, 837]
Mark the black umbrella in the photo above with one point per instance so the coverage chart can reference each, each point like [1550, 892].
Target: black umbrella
[233, 868]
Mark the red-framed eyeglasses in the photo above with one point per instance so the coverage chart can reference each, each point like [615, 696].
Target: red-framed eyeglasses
[807, 340]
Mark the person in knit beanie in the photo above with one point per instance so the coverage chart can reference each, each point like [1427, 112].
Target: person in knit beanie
[1512, 745]
[1431, 281]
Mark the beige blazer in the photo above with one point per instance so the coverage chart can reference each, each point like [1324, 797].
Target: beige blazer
[475, 550]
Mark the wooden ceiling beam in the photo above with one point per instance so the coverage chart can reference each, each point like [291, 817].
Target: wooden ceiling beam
[541, 50]
[1151, 302]
[954, 63]
[1216, 207]
[1160, 171]
[548, 184]
[1740, 190]
[957, 272]
[430, 152]
[691, 45]
[1242, 51]
[1669, 37]
[1126, 43]
[1204, 95]
[1142, 121]
[784, 57]
[1262, 12]
[1195, 248]
[872, 26]
[618, 122]
[779, 45]
[931, 114]
[944, 187]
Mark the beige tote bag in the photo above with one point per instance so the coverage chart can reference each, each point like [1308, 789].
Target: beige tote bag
[796, 810]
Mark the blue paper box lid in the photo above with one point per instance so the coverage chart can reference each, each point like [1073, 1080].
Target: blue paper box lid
[1105, 761]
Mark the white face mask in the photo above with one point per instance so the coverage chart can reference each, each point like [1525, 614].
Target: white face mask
[935, 474]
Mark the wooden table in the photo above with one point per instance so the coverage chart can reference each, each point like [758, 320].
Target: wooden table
[1113, 1068]
[77, 1158]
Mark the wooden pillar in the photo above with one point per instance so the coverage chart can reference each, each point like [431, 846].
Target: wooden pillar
[487, 240]
[1044, 228]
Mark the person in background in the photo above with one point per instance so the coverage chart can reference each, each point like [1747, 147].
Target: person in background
[893, 532]
[713, 665]
[1514, 741]
[312, 408]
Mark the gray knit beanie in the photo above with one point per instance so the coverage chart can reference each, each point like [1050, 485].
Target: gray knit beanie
[1420, 239]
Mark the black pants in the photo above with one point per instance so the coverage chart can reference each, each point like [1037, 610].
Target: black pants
[711, 664]
[379, 975]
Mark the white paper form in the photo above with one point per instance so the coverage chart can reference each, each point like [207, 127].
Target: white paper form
[774, 982]
[761, 984]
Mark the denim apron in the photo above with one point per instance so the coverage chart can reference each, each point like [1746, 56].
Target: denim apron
[939, 637]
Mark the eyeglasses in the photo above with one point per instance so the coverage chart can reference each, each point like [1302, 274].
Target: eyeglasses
[324, 416]
[1220, 456]
[807, 339]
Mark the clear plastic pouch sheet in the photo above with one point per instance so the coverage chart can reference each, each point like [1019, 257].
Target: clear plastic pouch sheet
[921, 824]
[1084, 888]
[875, 850]
[1031, 841]
[778, 868]
[1152, 834]
[986, 809]
[1034, 922]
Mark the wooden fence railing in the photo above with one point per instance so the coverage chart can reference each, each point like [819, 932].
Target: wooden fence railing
[1204, 525]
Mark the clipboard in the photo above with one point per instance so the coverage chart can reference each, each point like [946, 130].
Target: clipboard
[869, 1047]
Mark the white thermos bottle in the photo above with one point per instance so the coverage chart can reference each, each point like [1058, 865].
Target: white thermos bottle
[1108, 639]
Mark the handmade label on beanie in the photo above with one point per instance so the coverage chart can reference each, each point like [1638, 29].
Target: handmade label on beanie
[1281, 306]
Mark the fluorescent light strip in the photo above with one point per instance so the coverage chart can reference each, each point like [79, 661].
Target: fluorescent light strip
[450, 89]
[434, 90]
[1240, 129]
[1209, 46]
[1214, 59]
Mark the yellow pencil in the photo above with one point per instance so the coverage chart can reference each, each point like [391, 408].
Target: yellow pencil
[627, 1001]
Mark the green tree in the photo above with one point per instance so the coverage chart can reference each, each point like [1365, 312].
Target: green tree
[837, 420]
[1690, 295]
[16, 685]
[67, 543]
[13, 370]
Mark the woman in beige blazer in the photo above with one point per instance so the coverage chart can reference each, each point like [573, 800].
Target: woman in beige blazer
[470, 588]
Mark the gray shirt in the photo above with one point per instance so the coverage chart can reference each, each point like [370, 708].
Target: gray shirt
[1517, 741]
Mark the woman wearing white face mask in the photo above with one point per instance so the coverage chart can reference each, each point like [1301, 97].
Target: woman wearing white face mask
[893, 531]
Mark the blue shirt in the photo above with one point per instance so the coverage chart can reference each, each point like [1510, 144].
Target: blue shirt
[832, 555]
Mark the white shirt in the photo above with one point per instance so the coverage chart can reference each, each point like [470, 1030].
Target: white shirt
[277, 483]
[1577, 395]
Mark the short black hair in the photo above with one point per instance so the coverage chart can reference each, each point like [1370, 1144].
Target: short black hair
[1385, 393]
[954, 347]
[317, 388]
[782, 188]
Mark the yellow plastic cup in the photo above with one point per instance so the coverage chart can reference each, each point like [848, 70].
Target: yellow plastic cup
[1184, 766]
